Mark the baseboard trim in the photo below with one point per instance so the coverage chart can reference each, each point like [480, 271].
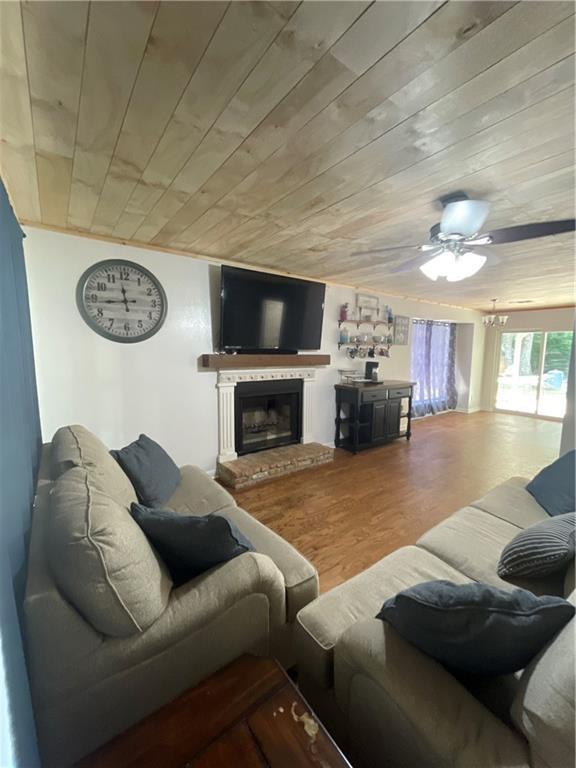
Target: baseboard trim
[468, 410]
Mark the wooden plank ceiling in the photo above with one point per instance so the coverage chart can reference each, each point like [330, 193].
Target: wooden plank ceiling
[289, 135]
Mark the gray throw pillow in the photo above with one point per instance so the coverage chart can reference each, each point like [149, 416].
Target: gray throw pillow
[542, 548]
[190, 545]
[151, 471]
[476, 628]
[554, 486]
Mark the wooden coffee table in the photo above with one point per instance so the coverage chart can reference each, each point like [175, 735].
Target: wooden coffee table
[247, 715]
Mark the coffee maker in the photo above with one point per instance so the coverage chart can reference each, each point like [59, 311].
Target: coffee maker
[371, 371]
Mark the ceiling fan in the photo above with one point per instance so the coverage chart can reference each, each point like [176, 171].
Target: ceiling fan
[452, 251]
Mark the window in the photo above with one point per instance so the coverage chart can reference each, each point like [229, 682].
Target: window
[533, 372]
[433, 366]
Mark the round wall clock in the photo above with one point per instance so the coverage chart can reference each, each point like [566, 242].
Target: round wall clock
[121, 301]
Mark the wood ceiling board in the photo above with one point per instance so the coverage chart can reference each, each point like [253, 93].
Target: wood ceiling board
[325, 81]
[321, 134]
[244, 34]
[110, 70]
[17, 152]
[179, 37]
[307, 35]
[406, 144]
[469, 65]
[55, 82]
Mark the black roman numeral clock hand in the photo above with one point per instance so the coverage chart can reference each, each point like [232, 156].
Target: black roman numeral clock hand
[121, 301]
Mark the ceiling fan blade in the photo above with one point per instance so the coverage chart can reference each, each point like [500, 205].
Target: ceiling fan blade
[428, 247]
[415, 262]
[383, 250]
[531, 231]
[464, 217]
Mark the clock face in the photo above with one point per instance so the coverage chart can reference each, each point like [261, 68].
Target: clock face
[121, 301]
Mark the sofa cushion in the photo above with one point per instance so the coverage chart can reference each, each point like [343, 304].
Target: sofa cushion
[76, 446]
[540, 549]
[553, 487]
[101, 560]
[152, 472]
[300, 576]
[476, 628]
[472, 541]
[543, 709]
[510, 501]
[188, 544]
[320, 624]
[198, 494]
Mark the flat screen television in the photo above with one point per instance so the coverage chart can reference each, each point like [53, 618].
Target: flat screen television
[260, 312]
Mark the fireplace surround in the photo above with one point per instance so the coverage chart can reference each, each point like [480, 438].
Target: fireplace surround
[228, 401]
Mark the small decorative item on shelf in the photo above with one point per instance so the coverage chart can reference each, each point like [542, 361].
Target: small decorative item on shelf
[344, 312]
[344, 336]
[368, 307]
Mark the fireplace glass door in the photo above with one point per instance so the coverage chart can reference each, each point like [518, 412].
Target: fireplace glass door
[268, 414]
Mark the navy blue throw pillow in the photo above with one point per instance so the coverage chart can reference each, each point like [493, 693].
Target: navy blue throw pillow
[151, 471]
[476, 628]
[190, 545]
[553, 487]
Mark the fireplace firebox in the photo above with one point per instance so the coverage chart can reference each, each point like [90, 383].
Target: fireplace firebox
[268, 414]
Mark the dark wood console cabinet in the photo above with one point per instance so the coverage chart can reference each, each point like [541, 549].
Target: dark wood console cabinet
[371, 414]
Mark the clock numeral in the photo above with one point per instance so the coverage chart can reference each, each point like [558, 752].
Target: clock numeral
[126, 327]
[149, 315]
[100, 286]
[111, 322]
[139, 281]
[124, 274]
[153, 303]
[148, 291]
[94, 298]
[140, 324]
[110, 278]
[100, 312]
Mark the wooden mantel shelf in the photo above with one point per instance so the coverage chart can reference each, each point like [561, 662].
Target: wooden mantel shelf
[229, 362]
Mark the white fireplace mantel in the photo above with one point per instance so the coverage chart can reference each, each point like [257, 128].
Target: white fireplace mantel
[226, 384]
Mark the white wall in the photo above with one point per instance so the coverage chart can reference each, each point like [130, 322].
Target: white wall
[120, 390]
[561, 319]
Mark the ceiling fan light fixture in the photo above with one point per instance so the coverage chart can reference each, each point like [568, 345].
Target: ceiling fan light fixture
[454, 267]
[465, 265]
[464, 217]
[439, 266]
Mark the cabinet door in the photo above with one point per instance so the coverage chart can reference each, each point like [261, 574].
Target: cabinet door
[379, 417]
[392, 418]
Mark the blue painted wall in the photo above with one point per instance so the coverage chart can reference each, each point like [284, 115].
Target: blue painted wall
[20, 444]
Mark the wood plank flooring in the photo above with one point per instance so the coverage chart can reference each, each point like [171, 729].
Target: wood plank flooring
[346, 515]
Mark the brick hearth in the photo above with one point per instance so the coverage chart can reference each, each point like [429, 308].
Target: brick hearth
[255, 467]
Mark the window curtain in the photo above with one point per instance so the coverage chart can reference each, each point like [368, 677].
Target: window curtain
[20, 444]
[433, 367]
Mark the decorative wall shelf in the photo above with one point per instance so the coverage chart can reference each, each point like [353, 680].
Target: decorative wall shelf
[230, 362]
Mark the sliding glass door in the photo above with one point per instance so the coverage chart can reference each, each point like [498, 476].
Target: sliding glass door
[533, 372]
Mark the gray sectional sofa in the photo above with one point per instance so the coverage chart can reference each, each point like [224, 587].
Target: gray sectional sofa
[391, 706]
[109, 639]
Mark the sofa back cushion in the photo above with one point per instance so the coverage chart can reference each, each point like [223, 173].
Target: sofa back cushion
[76, 446]
[101, 561]
[543, 708]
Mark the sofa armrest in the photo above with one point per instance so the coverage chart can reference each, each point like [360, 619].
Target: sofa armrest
[404, 709]
[68, 667]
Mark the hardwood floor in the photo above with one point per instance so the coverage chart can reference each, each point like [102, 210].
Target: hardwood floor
[347, 515]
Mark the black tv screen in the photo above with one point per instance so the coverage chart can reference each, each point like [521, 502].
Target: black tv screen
[260, 311]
